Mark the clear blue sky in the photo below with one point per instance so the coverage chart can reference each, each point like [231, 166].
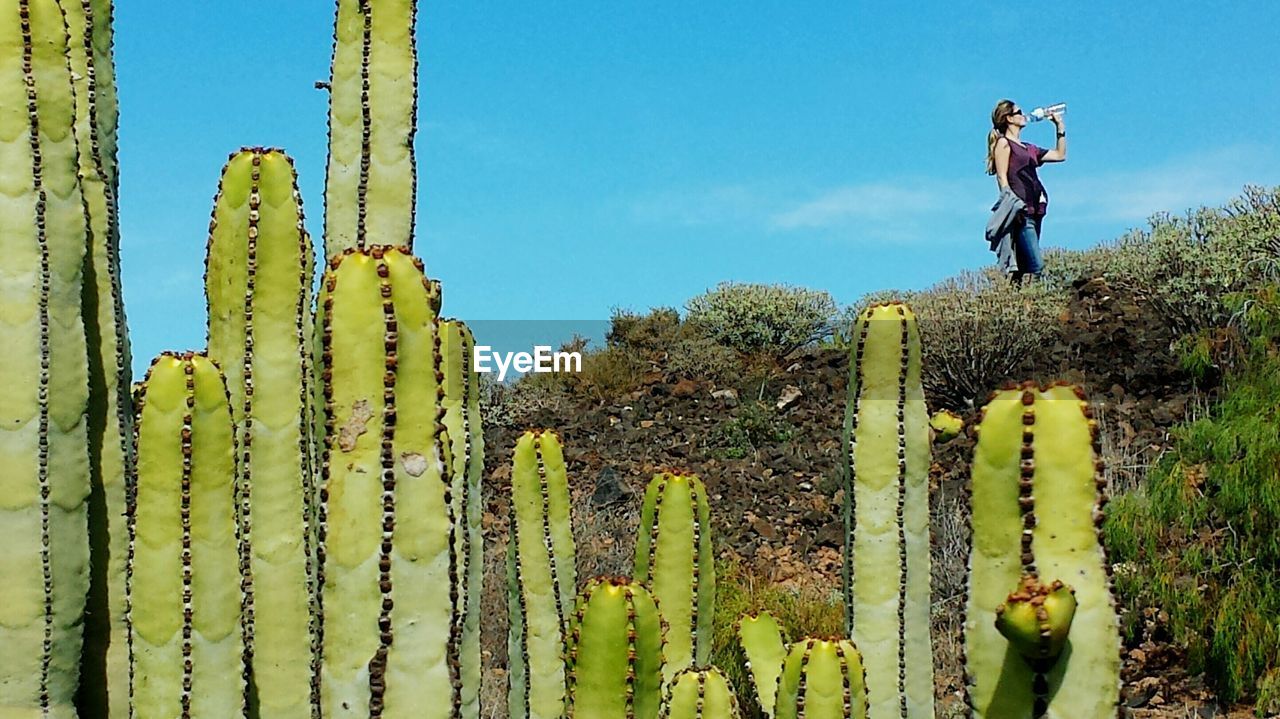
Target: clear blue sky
[580, 156]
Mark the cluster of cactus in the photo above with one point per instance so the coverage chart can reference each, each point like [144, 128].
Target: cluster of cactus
[290, 524]
[252, 560]
[637, 648]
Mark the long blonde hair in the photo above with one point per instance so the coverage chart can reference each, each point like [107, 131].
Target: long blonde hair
[999, 122]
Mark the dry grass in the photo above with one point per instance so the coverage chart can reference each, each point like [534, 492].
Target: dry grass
[950, 562]
[605, 545]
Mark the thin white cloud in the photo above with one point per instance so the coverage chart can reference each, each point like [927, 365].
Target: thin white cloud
[719, 205]
[876, 202]
[1186, 182]
[937, 210]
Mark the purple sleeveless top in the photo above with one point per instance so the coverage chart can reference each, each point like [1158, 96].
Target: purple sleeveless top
[1023, 161]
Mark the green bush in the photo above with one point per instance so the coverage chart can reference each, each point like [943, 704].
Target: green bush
[607, 374]
[1202, 539]
[703, 358]
[757, 319]
[1189, 263]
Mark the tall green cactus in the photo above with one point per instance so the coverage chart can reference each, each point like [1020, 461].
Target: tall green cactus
[1037, 449]
[886, 513]
[372, 179]
[676, 560]
[104, 687]
[186, 600]
[466, 433]
[44, 456]
[390, 628]
[615, 652]
[699, 694]
[822, 679]
[258, 282]
[765, 649]
[541, 578]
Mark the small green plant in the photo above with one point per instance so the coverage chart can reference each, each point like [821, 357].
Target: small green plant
[756, 425]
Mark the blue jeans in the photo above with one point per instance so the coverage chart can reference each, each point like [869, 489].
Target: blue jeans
[1026, 248]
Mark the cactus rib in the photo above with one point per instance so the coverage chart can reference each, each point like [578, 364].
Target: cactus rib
[765, 650]
[259, 251]
[615, 652]
[822, 679]
[388, 574]
[188, 651]
[1053, 650]
[371, 179]
[699, 694]
[464, 424]
[105, 660]
[675, 558]
[886, 570]
[43, 440]
[541, 577]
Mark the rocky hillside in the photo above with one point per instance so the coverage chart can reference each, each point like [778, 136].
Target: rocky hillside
[768, 451]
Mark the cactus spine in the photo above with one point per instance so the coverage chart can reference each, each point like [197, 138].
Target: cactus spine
[765, 650]
[886, 512]
[822, 679]
[44, 546]
[258, 283]
[541, 578]
[466, 434]
[700, 694]
[372, 180]
[186, 597]
[615, 652]
[390, 628]
[676, 560]
[1037, 448]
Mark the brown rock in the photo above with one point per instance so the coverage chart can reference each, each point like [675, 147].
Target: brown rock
[684, 388]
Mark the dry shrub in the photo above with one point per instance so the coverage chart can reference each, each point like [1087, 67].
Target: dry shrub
[1190, 263]
[977, 329]
[608, 374]
[664, 342]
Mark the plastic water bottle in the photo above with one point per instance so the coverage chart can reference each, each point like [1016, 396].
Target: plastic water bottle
[1043, 113]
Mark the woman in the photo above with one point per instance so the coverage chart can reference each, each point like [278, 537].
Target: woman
[1014, 164]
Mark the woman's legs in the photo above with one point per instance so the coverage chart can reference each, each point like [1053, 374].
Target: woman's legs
[1026, 245]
